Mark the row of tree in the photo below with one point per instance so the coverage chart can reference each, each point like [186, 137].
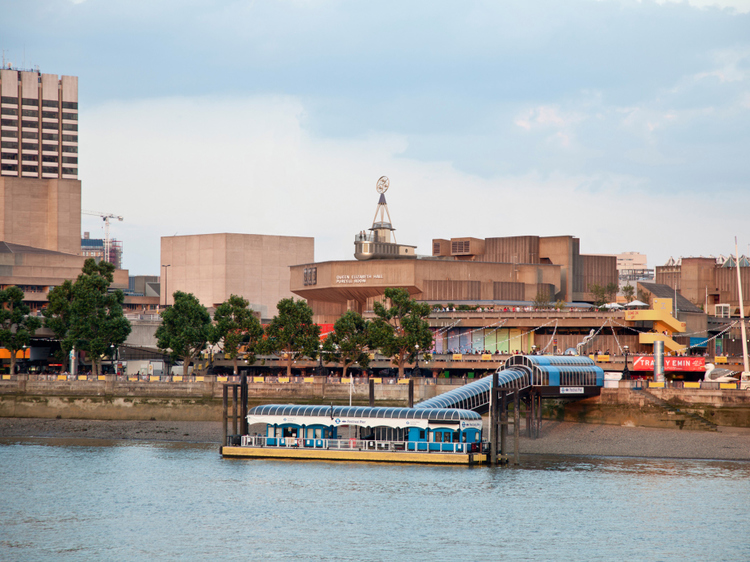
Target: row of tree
[399, 331]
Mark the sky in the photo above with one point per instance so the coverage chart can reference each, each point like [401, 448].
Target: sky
[624, 123]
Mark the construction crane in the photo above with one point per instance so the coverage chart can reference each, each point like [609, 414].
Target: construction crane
[105, 217]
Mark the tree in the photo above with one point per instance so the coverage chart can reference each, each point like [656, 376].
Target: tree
[16, 326]
[349, 342]
[292, 333]
[237, 326]
[401, 330]
[628, 292]
[87, 316]
[185, 329]
[542, 300]
[603, 294]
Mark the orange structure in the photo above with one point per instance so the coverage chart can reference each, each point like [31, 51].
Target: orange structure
[665, 325]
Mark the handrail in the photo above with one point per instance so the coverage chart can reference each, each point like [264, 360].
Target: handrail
[355, 444]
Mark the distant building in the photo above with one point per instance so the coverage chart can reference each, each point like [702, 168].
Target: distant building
[94, 248]
[215, 266]
[632, 267]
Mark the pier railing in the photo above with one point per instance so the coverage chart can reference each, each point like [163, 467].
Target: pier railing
[354, 444]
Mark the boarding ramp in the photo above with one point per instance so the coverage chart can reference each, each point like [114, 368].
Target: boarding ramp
[553, 375]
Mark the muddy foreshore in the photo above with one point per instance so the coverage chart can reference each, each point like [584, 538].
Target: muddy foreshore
[558, 438]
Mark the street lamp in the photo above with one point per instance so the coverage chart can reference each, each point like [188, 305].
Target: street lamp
[320, 360]
[166, 282]
[415, 371]
[533, 350]
[625, 372]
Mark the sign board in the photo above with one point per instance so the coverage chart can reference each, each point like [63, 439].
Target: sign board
[571, 390]
[690, 364]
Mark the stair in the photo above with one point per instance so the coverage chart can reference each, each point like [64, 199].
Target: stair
[684, 420]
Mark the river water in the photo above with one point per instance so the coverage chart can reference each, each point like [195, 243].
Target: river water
[96, 500]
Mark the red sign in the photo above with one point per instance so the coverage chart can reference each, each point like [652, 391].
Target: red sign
[646, 363]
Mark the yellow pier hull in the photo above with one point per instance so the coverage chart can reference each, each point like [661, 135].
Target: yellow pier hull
[339, 455]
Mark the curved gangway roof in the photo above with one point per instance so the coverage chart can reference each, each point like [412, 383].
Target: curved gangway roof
[518, 373]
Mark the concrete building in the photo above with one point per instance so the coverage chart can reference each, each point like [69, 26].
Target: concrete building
[215, 266]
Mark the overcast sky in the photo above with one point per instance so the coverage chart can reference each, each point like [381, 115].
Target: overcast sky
[624, 123]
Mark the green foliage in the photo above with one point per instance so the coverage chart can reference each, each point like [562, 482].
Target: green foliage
[628, 292]
[349, 343]
[16, 326]
[236, 326]
[399, 329]
[560, 304]
[185, 328]
[85, 315]
[603, 295]
[292, 333]
[542, 300]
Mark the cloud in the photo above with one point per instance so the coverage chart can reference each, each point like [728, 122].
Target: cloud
[248, 164]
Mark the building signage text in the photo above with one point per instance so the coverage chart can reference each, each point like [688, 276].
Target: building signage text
[358, 278]
[571, 390]
[646, 363]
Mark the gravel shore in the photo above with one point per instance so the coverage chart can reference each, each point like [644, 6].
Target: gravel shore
[558, 438]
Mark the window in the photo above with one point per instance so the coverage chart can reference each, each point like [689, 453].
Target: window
[50, 114]
[10, 156]
[9, 122]
[437, 437]
[48, 125]
[10, 167]
[68, 160]
[6, 99]
[30, 113]
[29, 146]
[49, 103]
[29, 135]
[49, 169]
[31, 124]
[7, 144]
[11, 134]
[49, 136]
[69, 127]
[29, 101]
[50, 147]
[30, 168]
[70, 171]
[9, 111]
[66, 148]
[49, 159]
[71, 116]
[32, 157]
[311, 276]
[70, 105]
[70, 138]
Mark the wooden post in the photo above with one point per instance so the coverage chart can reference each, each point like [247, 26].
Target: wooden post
[516, 424]
[372, 393]
[527, 403]
[235, 417]
[224, 405]
[493, 420]
[243, 403]
[411, 393]
[504, 425]
[539, 415]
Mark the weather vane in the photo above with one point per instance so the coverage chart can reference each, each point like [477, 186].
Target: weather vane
[382, 185]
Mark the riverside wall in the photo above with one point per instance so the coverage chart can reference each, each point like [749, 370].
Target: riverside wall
[27, 396]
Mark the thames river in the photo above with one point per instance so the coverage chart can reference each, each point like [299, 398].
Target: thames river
[99, 500]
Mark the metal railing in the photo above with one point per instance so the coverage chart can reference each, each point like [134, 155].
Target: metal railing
[354, 444]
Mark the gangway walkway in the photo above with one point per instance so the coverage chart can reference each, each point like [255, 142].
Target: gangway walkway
[553, 376]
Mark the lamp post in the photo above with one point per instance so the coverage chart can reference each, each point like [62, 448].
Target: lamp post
[416, 371]
[166, 282]
[320, 360]
[625, 372]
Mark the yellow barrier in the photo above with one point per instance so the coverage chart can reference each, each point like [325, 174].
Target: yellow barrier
[728, 385]
[177, 378]
[82, 378]
[154, 378]
[259, 379]
[347, 380]
[592, 357]
[653, 384]
[486, 357]
[101, 378]
[283, 379]
[132, 378]
[62, 377]
[377, 380]
[720, 359]
[458, 356]
[692, 385]
[602, 358]
[306, 379]
[199, 379]
[6, 377]
[222, 379]
[403, 381]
